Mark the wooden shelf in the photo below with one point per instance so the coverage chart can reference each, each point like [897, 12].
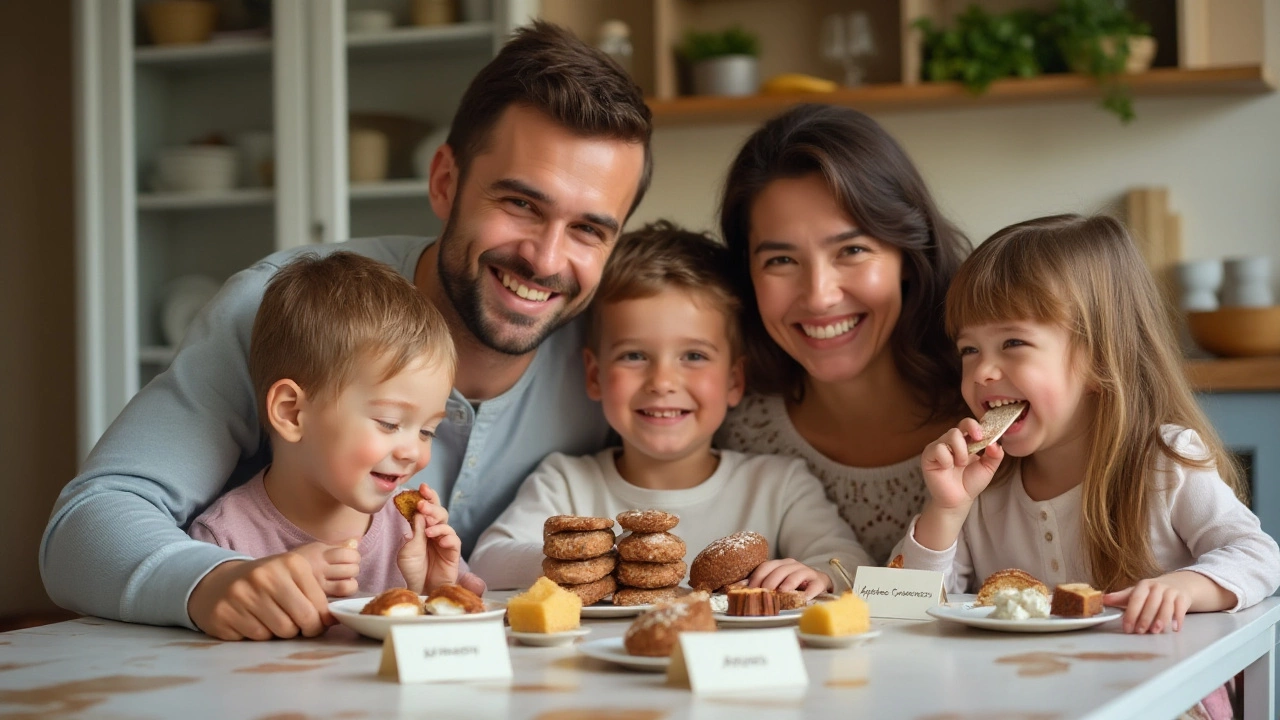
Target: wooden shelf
[1243, 80]
[387, 189]
[1235, 374]
[240, 197]
[205, 55]
[402, 41]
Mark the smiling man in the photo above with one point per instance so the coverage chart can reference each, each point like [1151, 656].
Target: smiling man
[547, 157]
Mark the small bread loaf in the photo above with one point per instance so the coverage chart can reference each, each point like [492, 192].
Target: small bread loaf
[577, 545]
[1076, 600]
[728, 560]
[653, 547]
[647, 521]
[654, 633]
[650, 575]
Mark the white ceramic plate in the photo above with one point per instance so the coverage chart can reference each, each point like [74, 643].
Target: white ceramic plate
[836, 641]
[782, 619]
[612, 650]
[557, 639]
[602, 611]
[347, 611]
[966, 614]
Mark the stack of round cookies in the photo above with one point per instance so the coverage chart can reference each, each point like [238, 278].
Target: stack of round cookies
[579, 555]
[652, 559]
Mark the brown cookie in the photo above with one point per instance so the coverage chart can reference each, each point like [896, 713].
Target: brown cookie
[577, 545]
[574, 523]
[576, 572]
[650, 575]
[728, 560]
[659, 547]
[593, 592]
[407, 503]
[647, 521]
[643, 596]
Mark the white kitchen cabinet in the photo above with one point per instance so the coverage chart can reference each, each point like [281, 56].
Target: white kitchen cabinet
[300, 82]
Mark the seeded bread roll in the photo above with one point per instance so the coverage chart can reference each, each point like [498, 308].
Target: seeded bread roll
[654, 633]
[728, 560]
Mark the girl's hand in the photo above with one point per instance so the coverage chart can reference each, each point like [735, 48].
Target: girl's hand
[954, 477]
[444, 555]
[412, 558]
[1154, 605]
[789, 574]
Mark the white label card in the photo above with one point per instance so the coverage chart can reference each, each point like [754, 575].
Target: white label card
[446, 651]
[898, 593]
[734, 660]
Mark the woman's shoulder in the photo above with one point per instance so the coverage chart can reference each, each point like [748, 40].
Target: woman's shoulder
[757, 425]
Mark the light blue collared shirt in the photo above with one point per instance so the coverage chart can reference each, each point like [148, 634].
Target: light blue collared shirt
[115, 545]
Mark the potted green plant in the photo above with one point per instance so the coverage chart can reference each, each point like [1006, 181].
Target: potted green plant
[723, 62]
[981, 47]
[1103, 39]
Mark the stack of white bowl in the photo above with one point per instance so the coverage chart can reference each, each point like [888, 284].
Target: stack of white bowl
[196, 169]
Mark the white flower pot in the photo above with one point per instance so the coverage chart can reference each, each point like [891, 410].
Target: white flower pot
[730, 75]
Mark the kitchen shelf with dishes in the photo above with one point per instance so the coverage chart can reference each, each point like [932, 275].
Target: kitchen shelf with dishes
[389, 189]
[402, 41]
[234, 197]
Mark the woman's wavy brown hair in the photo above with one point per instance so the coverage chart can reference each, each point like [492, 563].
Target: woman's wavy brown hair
[1085, 274]
[877, 185]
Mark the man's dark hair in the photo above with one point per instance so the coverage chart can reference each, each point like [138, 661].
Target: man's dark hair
[547, 68]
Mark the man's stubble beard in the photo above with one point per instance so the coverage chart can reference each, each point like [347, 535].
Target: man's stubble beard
[462, 288]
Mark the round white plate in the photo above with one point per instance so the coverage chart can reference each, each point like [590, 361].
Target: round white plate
[836, 641]
[612, 650]
[967, 614]
[557, 639]
[602, 611]
[782, 619]
[347, 611]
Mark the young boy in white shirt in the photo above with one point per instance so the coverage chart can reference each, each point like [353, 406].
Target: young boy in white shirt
[351, 366]
[664, 357]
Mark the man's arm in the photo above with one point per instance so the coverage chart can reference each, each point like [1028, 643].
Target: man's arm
[114, 546]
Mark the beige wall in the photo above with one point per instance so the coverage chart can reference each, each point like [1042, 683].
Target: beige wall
[37, 288]
[989, 167]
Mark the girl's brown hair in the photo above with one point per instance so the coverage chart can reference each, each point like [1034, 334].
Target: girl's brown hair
[321, 317]
[1085, 274]
[875, 183]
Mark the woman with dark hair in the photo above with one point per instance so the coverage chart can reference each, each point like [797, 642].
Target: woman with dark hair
[842, 260]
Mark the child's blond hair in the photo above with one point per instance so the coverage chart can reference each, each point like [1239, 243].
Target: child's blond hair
[321, 316]
[661, 256]
[1085, 274]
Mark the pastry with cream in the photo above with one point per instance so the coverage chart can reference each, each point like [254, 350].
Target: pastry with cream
[453, 600]
[396, 602]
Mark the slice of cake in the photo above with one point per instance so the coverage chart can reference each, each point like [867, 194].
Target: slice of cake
[847, 616]
[1009, 579]
[544, 608]
[752, 602]
[1076, 600]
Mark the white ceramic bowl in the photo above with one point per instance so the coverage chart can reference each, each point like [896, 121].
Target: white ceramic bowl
[196, 169]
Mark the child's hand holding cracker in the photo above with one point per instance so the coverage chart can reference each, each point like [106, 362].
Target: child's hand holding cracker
[431, 556]
[955, 477]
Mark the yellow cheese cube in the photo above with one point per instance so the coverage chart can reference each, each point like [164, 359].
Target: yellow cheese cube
[847, 616]
[544, 608]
